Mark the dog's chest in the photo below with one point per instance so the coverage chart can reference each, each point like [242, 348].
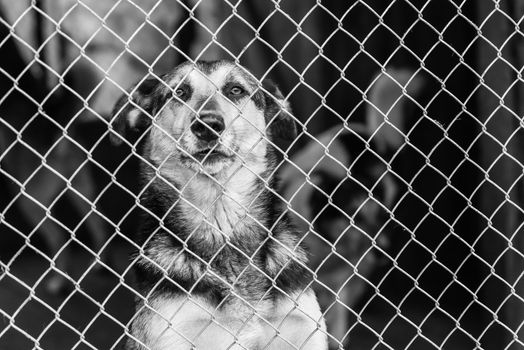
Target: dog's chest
[211, 210]
[215, 237]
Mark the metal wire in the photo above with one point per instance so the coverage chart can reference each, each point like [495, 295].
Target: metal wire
[352, 227]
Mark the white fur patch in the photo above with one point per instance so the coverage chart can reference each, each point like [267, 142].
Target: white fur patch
[133, 117]
[191, 322]
[299, 322]
[218, 206]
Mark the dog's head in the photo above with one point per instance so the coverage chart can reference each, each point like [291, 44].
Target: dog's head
[204, 115]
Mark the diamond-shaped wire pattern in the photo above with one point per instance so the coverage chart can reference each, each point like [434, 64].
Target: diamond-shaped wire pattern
[405, 182]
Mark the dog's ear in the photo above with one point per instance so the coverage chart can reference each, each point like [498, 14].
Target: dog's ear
[134, 110]
[280, 122]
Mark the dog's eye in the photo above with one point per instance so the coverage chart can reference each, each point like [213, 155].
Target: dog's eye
[180, 92]
[236, 90]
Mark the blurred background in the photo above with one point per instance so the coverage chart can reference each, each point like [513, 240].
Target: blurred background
[450, 273]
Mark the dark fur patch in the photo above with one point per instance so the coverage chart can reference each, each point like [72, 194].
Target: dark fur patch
[145, 98]
[259, 99]
[280, 123]
[187, 93]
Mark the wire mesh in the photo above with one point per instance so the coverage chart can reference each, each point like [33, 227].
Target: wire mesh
[405, 181]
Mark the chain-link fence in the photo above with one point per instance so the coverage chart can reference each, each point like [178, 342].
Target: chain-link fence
[404, 182]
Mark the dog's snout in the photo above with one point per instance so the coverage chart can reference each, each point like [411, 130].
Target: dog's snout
[208, 127]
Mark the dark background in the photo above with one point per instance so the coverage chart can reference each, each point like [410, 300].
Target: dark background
[457, 252]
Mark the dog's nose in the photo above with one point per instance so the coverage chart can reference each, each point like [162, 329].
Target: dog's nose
[208, 127]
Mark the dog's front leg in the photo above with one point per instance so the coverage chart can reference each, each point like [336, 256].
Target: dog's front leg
[296, 324]
[187, 323]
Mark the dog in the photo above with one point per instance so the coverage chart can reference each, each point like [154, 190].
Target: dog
[342, 191]
[220, 265]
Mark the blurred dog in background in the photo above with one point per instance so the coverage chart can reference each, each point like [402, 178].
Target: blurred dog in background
[341, 191]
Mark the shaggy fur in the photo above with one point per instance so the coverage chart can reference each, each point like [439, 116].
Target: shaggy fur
[221, 267]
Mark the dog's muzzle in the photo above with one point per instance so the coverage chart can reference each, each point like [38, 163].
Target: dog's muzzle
[208, 127]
